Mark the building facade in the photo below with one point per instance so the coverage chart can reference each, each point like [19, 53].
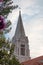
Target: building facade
[20, 40]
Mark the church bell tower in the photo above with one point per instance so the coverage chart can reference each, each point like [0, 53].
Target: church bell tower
[20, 40]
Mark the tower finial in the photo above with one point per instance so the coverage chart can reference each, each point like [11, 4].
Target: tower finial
[19, 12]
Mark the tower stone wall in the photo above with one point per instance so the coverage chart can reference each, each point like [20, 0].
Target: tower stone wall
[20, 40]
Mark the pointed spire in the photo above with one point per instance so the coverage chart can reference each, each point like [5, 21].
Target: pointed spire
[19, 29]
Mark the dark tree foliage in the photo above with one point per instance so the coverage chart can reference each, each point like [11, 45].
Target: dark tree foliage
[6, 53]
[6, 7]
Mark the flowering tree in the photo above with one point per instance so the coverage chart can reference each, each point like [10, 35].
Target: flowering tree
[6, 7]
[6, 48]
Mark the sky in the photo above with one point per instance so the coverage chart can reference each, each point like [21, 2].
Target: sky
[32, 17]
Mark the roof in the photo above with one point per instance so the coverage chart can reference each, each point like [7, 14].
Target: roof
[19, 29]
[35, 61]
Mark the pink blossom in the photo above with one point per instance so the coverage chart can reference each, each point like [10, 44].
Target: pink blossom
[2, 23]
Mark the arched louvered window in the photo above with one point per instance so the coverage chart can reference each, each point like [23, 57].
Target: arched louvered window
[22, 49]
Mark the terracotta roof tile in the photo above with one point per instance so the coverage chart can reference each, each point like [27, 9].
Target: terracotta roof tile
[35, 61]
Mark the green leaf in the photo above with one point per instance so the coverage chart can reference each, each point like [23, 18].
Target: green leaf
[8, 24]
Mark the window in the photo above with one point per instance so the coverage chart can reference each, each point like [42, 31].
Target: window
[18, 51]
[22, 49]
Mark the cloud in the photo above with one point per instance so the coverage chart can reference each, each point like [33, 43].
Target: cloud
[34, 31]
[24, 4]
[32, 16]
[36, 37]
[14, 15]
[39, 2]
[27, 6]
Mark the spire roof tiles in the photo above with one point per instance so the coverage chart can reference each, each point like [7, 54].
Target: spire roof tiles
[19, 29]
